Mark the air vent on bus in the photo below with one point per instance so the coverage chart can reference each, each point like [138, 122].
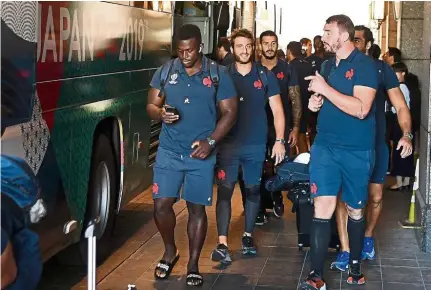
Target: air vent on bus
[155, 129]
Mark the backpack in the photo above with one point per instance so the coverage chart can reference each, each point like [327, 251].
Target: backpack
[412, 83]
[19, 185]
[166, 71]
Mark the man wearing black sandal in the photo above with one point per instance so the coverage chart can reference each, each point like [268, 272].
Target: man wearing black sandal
[185, 96]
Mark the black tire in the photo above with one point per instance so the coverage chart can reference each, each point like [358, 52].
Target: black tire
[102, 197]
[101, 201]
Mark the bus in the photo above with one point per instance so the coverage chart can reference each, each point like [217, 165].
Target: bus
[75, 77]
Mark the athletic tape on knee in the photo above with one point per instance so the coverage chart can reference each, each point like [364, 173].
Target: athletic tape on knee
[225, 191]
[253, 193]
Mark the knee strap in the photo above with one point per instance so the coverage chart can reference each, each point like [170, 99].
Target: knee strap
[253, 193]
[225, 191]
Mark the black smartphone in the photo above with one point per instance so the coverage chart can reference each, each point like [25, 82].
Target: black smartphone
[170, 109]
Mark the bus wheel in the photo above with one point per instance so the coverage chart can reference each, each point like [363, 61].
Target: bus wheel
[101, 197]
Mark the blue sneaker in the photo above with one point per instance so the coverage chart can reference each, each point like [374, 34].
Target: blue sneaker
[342, 262]
[368, 252]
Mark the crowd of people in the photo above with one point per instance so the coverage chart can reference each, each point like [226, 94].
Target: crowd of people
[227, 120]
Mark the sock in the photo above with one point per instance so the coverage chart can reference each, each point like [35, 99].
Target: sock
[356, 231]
[406, 181]
[319, 238]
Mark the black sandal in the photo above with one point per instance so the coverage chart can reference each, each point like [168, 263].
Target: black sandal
[165, 268]
[194, 279]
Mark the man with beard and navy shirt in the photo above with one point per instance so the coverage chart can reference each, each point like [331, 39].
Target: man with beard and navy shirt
[291, 98]
[245, 145]
[187, 105]
[343, 154]
[388, 84]
[303, 69]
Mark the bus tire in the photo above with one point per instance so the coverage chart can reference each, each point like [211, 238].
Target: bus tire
[101, 197]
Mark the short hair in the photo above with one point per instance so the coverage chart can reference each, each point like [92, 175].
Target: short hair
[280, 54]
[295, 48]
[225, 43]
[395, 52]
[400, 67]
[268, 33]
[305, 40]
[242, 32]
[375, 51]
[344, 23]
[317, 37]
[368, 35]
[189, 31]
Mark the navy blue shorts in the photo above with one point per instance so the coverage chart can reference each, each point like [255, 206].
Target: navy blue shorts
[381, 167]
[333, 170]
[250, 158]
[173, 171]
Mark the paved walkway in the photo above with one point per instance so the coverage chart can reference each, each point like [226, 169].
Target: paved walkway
[278, 265]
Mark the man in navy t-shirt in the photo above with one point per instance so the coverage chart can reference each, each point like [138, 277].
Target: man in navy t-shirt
[245, 145]
[190, 131]
[342, 156]
[291, 98]
[388, 84]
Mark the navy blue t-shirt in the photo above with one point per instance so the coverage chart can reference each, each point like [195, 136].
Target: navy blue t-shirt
[387, 81]
[336, 128]
[193, 96]
[287, 77]
[251, 124]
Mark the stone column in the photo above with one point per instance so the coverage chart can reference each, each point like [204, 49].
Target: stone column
[249, 15]
[414, 36]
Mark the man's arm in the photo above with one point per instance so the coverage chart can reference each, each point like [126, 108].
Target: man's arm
[278, 113]
[228, 109]
[295, 98]
[403, 113]
[358, 105]
[155, 104]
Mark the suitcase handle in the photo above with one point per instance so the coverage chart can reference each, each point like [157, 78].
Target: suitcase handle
[91, 264]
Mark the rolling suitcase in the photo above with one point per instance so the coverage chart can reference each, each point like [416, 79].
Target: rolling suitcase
[304, 209]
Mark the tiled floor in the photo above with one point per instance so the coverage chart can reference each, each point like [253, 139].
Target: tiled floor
[278, 265]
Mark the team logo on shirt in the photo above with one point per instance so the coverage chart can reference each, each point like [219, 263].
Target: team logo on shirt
[173, 80]
[280, 75]
[186, 101]
[349, 74]
[207, 82]
[241, 99]
[258, 84]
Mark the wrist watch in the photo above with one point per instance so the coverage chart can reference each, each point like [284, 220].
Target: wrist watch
[408, 135]
[282, 141]
[211, 141]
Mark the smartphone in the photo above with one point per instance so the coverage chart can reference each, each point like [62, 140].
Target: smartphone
[170, 109]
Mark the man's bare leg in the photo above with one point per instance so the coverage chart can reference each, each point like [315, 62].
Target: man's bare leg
[375, 202]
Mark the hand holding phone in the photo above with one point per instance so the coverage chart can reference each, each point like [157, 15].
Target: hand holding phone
[169, 114]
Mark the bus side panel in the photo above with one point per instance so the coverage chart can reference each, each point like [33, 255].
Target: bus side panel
[95, 60]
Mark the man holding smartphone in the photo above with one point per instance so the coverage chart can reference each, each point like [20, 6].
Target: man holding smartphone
[245, 145]
[190, 131]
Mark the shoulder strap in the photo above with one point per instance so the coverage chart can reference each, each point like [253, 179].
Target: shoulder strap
[164, 75]
[215, 76]
[261, 74]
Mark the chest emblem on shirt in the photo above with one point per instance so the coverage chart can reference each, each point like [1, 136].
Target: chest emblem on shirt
[173, 80]
[207, 82]
[280, 75]
[349, 74]
[186, 101]
[241, 99]
[258, 84]
[313, 188]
